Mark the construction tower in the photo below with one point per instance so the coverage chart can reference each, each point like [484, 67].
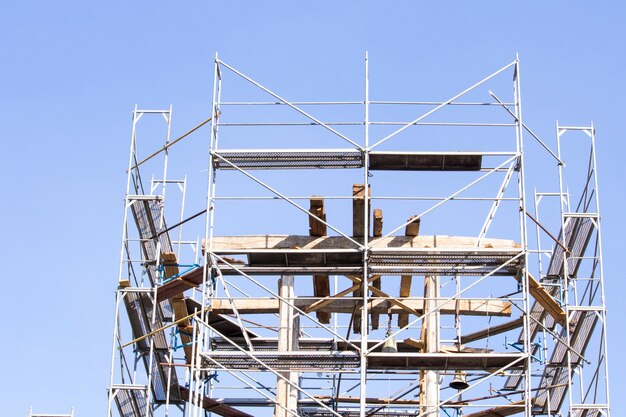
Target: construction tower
[360, 258]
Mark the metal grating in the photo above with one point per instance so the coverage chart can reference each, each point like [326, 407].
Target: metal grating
[539, 314]
[265, 345]
[412, 161]
[160, 378]
[577, 234]
[344, 158]
[139, 307]
[444, 262]
[131, 403]
[555, 376]
[283, 361]
[288, 159]
[320, 412]
[587, 412]
[147, 214]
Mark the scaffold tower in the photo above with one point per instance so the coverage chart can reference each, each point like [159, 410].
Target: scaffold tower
[360, 258]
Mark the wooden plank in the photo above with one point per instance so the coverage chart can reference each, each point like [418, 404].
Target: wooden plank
[501, 410]
[316, 208]
[358, 210]
[170, 263]
[286, 395]
[378, 223]
[358, 230]
[405, 291]
[492, 331]
[419, 345]
[321, 283]
[242, 244]
[412, 229]
[379, 305]
[356, 312]
[369, 400]
[214, 406]
[377, 282]
[544, 298]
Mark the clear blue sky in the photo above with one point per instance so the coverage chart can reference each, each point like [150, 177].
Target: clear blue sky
[71, 72]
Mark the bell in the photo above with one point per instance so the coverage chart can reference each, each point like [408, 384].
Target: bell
[459, 383]
[390, 346]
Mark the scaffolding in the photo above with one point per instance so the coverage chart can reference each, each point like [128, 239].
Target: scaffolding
[487, 309]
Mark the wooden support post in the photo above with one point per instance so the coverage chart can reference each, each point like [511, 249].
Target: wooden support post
[430, 386]
[358, 228]
[288, 332]
[377, 283]
[321, 283]
[358, 210]
[412, 229]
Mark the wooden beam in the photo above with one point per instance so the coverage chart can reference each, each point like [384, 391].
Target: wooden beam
[380, 305]
[501, 410]
[546, 300]
[179, 306]
[358, 210]
[419, 345]
[492, 331]
[321, 283]
[377, 282]
[412, 229]
[358, 230]
[317, 305]
[356, 312]
[214, 406]
[286, 395]
[370, 400]
[316, 208]
[243, 244]
[378, 223]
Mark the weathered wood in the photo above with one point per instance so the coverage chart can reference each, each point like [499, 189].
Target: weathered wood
[544, 298]
[214, 406]
[286, 394]
[243, 244]
[405, 291]
[376, 283]
[412, 229]
[170, 263]
[358, 229]
[492, 331]
[378, 304]
[356, 316]
[431, 323]
[317, 305]
[369, 400]
[378, 223]
[317, 228]
[321, 283]
[501, 410]
[358, 210]
[419, 346]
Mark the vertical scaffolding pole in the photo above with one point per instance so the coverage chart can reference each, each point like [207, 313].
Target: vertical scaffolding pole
[519, 128]
[364, 278]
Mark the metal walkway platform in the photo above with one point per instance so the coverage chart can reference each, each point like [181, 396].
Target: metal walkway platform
[346, 158]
